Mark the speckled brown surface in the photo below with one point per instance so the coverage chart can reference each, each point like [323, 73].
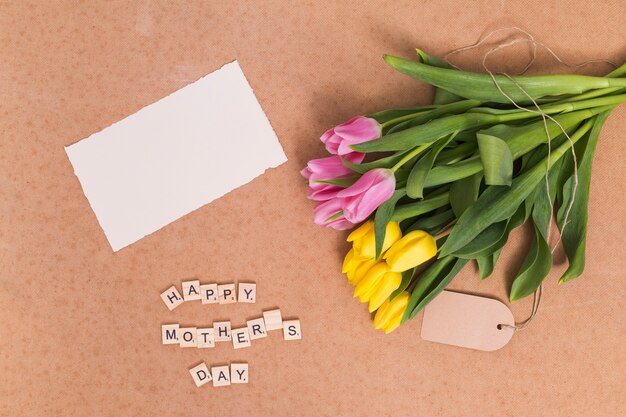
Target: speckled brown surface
[80, 325]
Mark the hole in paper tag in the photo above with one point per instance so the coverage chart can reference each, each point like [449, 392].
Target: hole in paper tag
[467, 321]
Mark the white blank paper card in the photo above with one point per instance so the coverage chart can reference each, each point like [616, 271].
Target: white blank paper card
[175, 155]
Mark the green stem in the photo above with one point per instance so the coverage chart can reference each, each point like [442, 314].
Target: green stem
[410, 155]
[415, 209]
[401, 119]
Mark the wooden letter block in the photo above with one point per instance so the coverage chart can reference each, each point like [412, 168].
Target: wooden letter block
[221, 376]
[191, 290]
[273, 320]
[172, 298]
[221, 331]
[291, 330]
[247, 293]
[208, 293]
[226, 293]
[169, 334]
[206, 338]
[200, 374]
[256, 328]
[187, 337]
[239, 373]
[241, 339]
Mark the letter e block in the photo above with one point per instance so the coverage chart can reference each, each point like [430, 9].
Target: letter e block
[200, 374]
[172, 298]
[291, 330]
[239, 373]
[241, 339]
[221, 376]
[247, 293]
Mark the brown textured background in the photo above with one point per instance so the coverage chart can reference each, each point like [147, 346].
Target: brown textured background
[80, 325]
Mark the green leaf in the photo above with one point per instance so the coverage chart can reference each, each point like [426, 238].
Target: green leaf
[496, 158]
[433, 225]
[498, 203]
[534, 269]
[485, 243]
[574, 234]
[427, 132]
[481, 86]
[387, 115]
[441, 96]
[419, 173]
[440, 110]
[407, 277]
[386, 162]
[426, 205]
[458, 153]
[542, 209]
[431, 283]
[464, 193]
[341, 182]
[485, 266]
[382, 217]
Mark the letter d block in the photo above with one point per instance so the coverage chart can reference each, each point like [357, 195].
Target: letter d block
[200, 374]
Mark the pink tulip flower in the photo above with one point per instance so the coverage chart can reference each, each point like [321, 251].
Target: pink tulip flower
[324, 210]
[356, 130]
[329, 168]
[364, 196]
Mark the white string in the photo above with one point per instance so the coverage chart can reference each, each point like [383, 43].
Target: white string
[534, 43]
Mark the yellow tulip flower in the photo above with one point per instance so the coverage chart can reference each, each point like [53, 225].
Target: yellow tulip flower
[413, 249]
[364, 242]
[390, 314]
[356, 268]
[377, 285]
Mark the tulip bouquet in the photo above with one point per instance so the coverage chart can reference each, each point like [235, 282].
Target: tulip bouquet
[446, 183]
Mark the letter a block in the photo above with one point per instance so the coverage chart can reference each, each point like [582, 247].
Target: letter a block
[200, 374]
[221, 376]
[191, 290]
